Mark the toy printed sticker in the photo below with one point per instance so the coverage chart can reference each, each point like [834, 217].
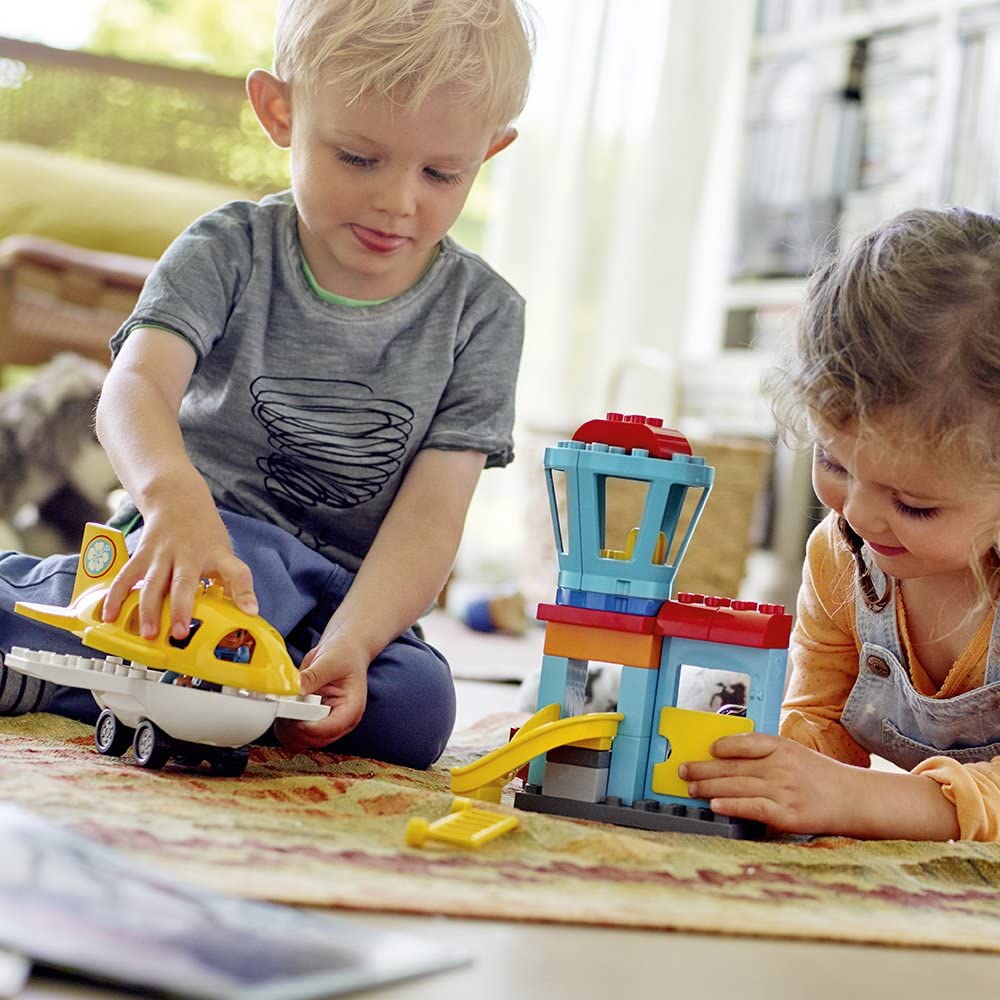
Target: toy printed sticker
[99, 555]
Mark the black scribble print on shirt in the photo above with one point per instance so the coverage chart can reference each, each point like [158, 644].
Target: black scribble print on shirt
[335, 443]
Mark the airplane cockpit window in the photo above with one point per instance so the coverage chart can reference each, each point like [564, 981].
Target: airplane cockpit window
[183, 643]
[132, 622]
[236, 646]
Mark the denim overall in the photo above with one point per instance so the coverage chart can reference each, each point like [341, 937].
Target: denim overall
[887, 716]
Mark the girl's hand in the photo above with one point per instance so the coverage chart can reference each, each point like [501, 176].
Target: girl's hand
[182, 543]
[336, 670]
[774, 781]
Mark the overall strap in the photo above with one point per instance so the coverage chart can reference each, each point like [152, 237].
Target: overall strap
[993, 654]
[878, 624]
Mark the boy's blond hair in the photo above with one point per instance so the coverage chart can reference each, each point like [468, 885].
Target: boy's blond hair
[404, 49]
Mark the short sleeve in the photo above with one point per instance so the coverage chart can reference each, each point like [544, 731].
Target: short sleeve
[476, 410]
[192, 288]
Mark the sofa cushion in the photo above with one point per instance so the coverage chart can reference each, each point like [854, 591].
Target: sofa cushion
[103, 206]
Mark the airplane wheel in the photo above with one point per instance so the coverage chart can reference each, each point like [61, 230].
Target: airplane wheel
[191, 759]
[150, 747]
[231, 763]
[111, 737]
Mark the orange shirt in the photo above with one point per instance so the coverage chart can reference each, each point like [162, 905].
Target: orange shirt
[823, 666]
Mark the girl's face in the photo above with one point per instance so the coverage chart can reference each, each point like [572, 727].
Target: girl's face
[918, 517]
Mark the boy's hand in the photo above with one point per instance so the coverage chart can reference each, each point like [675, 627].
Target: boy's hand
[179, 546]
[336, 670]
[772, 780]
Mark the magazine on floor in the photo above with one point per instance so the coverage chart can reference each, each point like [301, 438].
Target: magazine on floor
[70, 904]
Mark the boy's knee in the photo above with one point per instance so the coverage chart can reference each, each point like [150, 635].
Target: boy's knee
[411, 707]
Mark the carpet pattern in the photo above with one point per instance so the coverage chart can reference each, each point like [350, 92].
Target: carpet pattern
[322, 830]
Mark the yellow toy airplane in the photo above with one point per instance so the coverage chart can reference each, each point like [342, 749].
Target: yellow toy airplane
[202, 698]
[225, 645]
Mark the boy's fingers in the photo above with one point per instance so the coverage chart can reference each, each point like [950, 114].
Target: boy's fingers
[287, 734]
[345, 714]
[308, 735]
[317, 735]
[239, 581]
[120, 588]
[113, 601]
[294, 736]
[154, 585]
[317, 675]
[309, 679]
[182, 590]
[341, 720]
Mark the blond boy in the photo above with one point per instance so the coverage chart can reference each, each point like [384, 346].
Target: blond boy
[309, 387]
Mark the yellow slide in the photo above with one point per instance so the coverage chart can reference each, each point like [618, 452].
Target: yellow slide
[484, 779]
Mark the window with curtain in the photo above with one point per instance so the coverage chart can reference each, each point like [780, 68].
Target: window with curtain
[607, 211]
[610, 215]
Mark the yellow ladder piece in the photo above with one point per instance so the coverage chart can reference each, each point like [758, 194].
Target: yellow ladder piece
[464, 826]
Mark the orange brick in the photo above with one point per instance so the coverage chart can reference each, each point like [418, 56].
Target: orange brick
[577, 642]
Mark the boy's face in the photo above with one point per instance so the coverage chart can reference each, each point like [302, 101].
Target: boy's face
[377, 187]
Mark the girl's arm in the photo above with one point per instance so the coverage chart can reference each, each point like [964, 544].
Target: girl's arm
[823, 653]
[183, 537]
[815, 778]
[973, 790]
[400, 578]
[795, 789]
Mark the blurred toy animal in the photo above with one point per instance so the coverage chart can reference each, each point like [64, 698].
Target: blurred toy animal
[55, 476]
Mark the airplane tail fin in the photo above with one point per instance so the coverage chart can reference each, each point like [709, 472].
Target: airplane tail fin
[102, 555]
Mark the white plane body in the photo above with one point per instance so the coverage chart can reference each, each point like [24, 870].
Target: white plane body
[228, 718]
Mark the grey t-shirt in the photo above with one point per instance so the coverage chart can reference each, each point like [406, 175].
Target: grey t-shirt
[307, 413]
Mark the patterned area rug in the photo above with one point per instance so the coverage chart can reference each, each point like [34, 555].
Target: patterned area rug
[321, 830]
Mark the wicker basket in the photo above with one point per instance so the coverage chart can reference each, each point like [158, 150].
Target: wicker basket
[715, 562]
[58, 298]
[186, 123]
[183, 122]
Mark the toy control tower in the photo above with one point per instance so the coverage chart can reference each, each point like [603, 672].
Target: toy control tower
[614, 605]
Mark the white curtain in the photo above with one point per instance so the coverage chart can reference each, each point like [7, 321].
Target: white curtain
[611, 217]
[608, 207]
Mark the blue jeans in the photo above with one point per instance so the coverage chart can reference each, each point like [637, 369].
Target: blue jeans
[411, 698]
